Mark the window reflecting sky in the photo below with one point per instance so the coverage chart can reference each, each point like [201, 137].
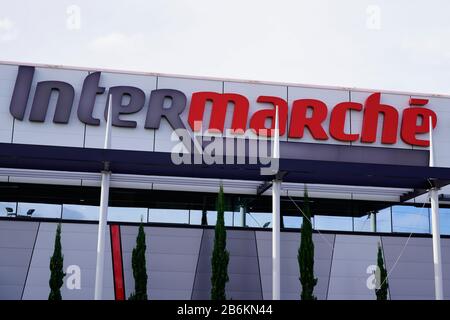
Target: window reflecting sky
[11, 208]
[78, 212]
[410, 219]
[333, 223]
[403, 219]
[168, 215]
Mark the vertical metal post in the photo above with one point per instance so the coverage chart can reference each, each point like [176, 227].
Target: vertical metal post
[103, 216]
[243, 216]
[373, 221]
[435, 227]
[276, 186]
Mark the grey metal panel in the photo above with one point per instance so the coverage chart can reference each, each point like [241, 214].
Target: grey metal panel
[290, 265]
[243, 269]
[16, 245]
[332, 152]
[171, 258]
[412, 276]
[10, 292]
[352, 256]
[18, 225]
[168, 262]
[16, 238]
[14, 257]
[290, 283]
[79, 245]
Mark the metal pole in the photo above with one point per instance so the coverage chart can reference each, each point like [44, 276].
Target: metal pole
[276, 186]
[243, 217]
[373, 222]
[435, 227]
[104, 197]
[436, 244]
[103, 216]
[276, 240]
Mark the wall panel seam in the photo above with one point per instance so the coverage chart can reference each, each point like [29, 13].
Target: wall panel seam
[259, 268]
[198, 260]
[385, 263]
[31, 259]
[331, 267]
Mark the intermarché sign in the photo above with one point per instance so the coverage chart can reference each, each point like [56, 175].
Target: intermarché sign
[412, 121]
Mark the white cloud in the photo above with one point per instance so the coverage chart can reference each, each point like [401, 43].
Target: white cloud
[8, 31]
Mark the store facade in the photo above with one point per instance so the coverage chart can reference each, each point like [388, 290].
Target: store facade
[363, 155]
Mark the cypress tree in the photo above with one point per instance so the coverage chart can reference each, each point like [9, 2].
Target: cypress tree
[56, 268]
[220, 255]
[306, 254]
[204, 221]
[139, 265]
[204, 217]
[382, 283]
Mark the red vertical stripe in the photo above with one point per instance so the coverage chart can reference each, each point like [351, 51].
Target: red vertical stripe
[116, 247]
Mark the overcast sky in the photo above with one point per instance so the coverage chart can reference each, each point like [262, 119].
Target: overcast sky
[396, 44]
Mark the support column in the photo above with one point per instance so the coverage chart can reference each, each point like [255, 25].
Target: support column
[435, 230]
[102, 223]
[243, 216]
[276, 187]
[373, 221]
[276, 240]
[103, 215]
[435, 225]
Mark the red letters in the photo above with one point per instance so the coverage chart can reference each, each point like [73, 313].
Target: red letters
[314, 123]
[299, 121]
[372, 109]
[410, 127]
[337, 121]
[257, 123]
[219, 109]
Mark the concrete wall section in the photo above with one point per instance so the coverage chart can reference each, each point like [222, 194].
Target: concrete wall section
[353, 255]
[243, 268]
[79, 247]
[171, 257]
[16, 245]
[179, 263]
[409, 262]
[290, 283]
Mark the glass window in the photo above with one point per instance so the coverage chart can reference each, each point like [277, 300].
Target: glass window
[80, 212]
[228, 216]
[195, 217]
[8, 209]
[292, 222]
[39, 210]
[362, 223]
[410, 219]
[445, 220]
[256, 219]
[124, 214]
[168, 215]
[212, 218]
[333, 223]
[384, 220]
